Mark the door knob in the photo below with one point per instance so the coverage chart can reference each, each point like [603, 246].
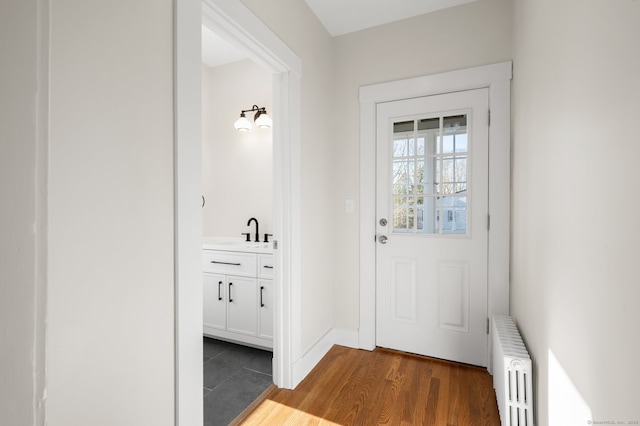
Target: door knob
[382, 239]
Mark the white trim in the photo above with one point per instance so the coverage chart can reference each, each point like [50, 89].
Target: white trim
[236, 24]
[304, 364]
[345, 337]
[188, 217]
[434, 84]
[497, 78]
[312, 357]
[367, 330]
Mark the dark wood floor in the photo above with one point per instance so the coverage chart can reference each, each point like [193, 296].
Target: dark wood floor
[356, 387]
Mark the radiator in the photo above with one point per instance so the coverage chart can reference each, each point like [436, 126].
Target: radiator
[512, 374]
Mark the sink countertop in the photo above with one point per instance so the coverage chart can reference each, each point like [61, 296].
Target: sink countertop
[236, 244]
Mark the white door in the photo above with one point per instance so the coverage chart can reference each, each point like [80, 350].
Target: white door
[432, 213]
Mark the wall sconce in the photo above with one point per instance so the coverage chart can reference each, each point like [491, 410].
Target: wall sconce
[261, 119]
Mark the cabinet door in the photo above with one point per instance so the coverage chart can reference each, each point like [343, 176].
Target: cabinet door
[265, 309]
[214, 296]
[265, 266]
[242, 313]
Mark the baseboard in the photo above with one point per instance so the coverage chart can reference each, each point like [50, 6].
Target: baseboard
[303, 366]
[345, 337]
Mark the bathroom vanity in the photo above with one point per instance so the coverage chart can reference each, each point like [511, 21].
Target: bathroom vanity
[238, 291]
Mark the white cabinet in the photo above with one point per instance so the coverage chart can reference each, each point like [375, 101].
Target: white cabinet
[265, 282]
[238, 296]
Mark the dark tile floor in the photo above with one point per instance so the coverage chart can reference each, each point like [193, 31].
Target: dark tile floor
[234, 376]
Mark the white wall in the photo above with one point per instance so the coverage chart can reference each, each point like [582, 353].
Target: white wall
[294, 23]
[474, 34]
[23, 118]
[110, 343]
[237, 175]
[575, 232]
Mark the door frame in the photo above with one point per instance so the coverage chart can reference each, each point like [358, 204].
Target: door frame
[239, 26]
[495, 77]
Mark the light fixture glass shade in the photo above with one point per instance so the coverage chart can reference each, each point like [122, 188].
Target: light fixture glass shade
[264, 121]
[242, 123]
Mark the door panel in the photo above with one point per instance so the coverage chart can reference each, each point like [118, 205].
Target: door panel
[432, 191]
[453, 296]
[404, 286]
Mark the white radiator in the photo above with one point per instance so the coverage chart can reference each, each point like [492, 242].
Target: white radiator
[512, 374]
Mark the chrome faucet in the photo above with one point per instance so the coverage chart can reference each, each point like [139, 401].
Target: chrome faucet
[253, 219]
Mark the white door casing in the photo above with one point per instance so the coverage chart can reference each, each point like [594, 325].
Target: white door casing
[237, 25]
[495, 77]
[432, 205]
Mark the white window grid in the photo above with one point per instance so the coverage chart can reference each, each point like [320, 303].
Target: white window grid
[413, 195]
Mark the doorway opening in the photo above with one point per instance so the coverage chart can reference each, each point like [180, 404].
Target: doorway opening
[233, 22]
[237, 188]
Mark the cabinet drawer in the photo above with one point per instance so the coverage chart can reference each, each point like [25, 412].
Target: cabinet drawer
[265, 266]
[231, 263]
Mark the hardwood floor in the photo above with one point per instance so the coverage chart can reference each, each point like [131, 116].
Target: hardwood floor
[356, 387]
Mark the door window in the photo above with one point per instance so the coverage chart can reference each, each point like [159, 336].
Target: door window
[430, 185]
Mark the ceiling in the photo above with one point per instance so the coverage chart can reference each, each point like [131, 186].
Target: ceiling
[338, 17]
[346, 16]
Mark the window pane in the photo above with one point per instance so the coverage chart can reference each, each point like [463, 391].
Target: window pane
[460, 170]
[420, 214]
[447, 144]
[447, 170]
[432, 142]
[402, 172]
[454, 123]
[447, 222]
[400, 148]
[461, 221]
[420, 146]
[429, 124]
[461, 143]
[421, 170]
[401, 211]
[404, 126]
[427, 206]
[401, 189]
